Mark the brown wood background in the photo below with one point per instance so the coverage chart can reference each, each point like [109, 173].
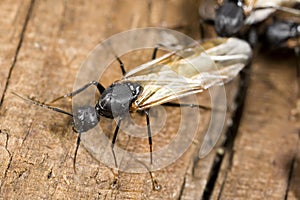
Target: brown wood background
[43, 43]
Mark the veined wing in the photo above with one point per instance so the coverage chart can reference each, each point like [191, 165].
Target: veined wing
[254, 10]
[189, 71]
[262, 9]
[272, 3]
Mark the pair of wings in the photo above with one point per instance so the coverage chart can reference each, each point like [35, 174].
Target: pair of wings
[189, 71]
[254, 10]
[259, 10]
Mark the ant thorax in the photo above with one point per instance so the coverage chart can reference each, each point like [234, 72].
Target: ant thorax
[116, 100]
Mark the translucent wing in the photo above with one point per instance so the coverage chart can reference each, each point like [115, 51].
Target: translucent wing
[262, 9]
[254, 10]
[273, 3]
[189, 71]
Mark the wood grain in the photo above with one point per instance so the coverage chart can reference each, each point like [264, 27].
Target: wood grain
[260, 164]
[53, 38]
[43, 44]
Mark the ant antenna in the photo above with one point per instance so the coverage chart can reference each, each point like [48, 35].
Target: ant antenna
[56, 110]
[43, 105]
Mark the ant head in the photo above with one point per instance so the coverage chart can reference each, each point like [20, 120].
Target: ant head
[279, 32]
[85, 118]
[229, 19]
[115, 101]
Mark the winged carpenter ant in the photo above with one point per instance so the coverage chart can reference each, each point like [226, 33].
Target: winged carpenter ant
[176, 74]
[243, 18]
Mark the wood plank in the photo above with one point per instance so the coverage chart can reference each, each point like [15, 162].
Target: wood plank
[38, 145]
[200, 170]
[260, 163]
[294, 184]
[12, 20]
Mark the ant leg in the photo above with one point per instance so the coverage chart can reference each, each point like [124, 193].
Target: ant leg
[154, 53]
[203, 22]
[149, 134]
[114, 141]
[155, 185]
[252, 36]
[115, 182]
[76, 150]
[121, 65]
[97, 84]
[201, 30]
[60, 111]
[187, 105]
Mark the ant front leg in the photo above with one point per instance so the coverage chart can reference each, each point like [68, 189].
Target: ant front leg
[74, 93]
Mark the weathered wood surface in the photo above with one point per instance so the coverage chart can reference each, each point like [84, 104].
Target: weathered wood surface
[42, 46]
[264, 153]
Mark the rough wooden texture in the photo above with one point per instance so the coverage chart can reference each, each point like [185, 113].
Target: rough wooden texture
[260, 163]
[13, 18]
[50, 39]
[43, 44]
[294, 187]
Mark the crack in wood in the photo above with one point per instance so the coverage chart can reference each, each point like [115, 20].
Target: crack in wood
[10, 157]
[182, 188]
[15, 58]
[291, 170]
[26, 135]
[290, 175]
[231, 134]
